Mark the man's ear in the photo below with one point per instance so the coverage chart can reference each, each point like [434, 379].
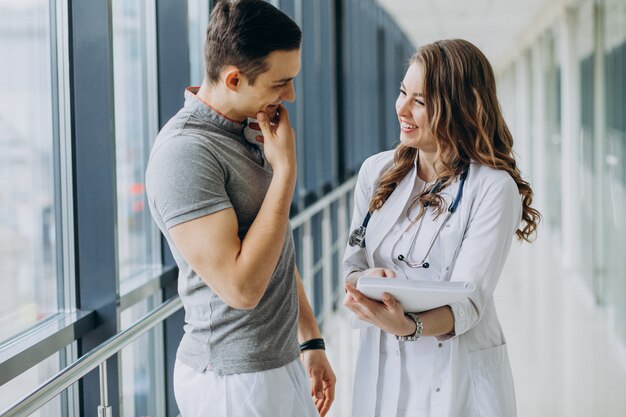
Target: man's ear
[232, 78]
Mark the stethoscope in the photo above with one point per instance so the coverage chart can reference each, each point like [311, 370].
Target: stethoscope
[357, 237]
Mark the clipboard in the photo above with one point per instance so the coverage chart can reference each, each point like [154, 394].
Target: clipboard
[414, 295]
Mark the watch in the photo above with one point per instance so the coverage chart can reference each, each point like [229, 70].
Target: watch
[419, 327]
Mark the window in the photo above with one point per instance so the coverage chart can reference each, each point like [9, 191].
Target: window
[198, 12]
[134, 75]
[17, 388]
[142, 366]
[552, 96]
[29, 206]
[614, 193]
[584, 45]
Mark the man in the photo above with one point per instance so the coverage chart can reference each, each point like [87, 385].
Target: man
[224, 209]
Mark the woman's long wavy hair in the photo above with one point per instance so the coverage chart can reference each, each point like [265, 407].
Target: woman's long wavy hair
[466, 121]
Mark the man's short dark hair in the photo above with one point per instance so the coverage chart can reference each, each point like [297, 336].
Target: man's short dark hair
[243, 33]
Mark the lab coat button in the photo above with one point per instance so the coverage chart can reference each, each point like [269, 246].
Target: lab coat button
[460, 312]
[447, 268]
[437, 389]
[440, 345]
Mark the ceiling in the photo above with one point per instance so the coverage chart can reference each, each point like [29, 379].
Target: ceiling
[495, 26]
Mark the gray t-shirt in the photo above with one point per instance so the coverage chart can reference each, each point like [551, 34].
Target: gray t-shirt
[201, 164]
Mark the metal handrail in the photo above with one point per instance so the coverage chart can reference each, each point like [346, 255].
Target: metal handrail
[55, 385]
[97, 356]
[299, 219]
[312, 263]
[22, 352]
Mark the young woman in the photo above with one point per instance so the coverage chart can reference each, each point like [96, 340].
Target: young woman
[445, 206]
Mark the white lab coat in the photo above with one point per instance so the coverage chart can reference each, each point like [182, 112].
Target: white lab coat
[471, 372]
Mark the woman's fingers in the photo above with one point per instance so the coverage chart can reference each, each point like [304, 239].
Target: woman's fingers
[392, 304]
[352, 291]
[379, 272]
[389, 300]
[388, 273]
[365, 308]
[359, 297]
[362, 311]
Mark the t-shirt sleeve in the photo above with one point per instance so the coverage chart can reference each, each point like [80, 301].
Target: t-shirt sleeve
[186, 181]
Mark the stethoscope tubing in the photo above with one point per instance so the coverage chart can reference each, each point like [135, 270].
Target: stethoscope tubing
[423, 263]
[357, 237]
[451, 210]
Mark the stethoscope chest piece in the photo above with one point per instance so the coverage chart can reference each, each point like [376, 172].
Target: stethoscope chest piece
[357, 237]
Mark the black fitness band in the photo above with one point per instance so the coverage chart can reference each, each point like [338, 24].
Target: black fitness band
[313, 344]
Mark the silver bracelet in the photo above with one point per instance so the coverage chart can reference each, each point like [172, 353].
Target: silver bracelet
[419, 328]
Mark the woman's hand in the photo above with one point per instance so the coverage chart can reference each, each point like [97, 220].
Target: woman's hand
[387, 315]
[353, 278]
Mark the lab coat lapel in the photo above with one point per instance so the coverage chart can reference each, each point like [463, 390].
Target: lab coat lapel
[383, 219]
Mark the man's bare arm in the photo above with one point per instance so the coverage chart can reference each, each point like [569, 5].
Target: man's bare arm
[239, 270]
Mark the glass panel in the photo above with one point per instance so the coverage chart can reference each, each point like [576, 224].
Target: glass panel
[17, 388]
[310, 167]
[142, 367]
[529, 98]
[614, 226]
[135, 129]
[586, 163]
[553, 135]
[28, 249]
[317, 276]
[198, 12]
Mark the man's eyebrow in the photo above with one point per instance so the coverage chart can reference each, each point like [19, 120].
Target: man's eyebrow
[415, 94]
[284, 80]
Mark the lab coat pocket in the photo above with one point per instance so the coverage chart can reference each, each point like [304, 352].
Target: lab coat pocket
[492, 382]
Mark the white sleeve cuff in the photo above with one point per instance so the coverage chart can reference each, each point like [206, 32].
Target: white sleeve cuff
[461, 313]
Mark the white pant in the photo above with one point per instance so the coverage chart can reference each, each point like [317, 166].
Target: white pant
[280, 392]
